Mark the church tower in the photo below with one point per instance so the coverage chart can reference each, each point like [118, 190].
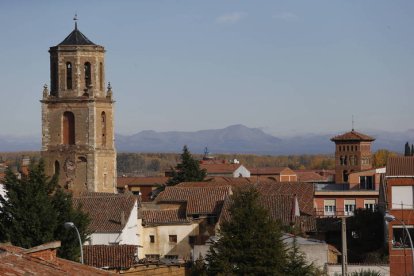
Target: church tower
[352, 154]
[78, 117]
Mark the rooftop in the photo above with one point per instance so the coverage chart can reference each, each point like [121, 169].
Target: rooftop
[352, 136]
[76, 38]
[400, 166]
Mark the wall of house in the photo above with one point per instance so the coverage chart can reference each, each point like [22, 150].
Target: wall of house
[315, 253]
[354, 179]
[162, 246]
[340, 202]
[400, 258]
[241, 172]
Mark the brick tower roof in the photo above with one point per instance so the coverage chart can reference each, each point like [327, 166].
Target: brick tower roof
[352, 136]
[76, 38]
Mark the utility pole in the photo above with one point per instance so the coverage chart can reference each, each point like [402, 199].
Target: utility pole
[344, 249]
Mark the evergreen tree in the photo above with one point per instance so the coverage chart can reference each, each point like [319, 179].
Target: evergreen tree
[297, 264]
[33, 212]
[187, 170]
[407, 151]
[249, 242]
[412, 149]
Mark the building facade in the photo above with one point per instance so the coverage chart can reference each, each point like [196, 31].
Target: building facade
[352, 154]
[77, 117]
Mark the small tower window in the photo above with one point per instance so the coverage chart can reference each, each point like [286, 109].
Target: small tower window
[54, 78]
[88, 79]
[68, 128]
[57, 167]
[101, 79]
[103, 127]
[68, 75]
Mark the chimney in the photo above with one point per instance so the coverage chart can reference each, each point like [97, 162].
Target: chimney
[46, 251]
[123, 222]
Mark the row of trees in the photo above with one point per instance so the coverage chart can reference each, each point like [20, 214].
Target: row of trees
[408, 151]
[34, 210]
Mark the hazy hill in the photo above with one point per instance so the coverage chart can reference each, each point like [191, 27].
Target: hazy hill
[232, 139]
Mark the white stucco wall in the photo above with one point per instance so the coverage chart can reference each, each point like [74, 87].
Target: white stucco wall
[129, 234]
[163, 246]
[241, 171]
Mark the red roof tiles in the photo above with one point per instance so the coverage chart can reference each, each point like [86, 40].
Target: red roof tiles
[352, 136]
[110, 256]
[271, 171]
[164, 217]
[200, 200]
[400, 166]
[106, 210]
[141, 181]
[220, 168]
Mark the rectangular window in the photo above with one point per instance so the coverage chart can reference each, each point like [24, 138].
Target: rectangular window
[152, 238]
[171, 257]
[152, 257]
[400, 238]
[370, 204]
[172, 238]
[191, 239]
[402, 197]
[330, 207]
[366, 182]
[349, 207]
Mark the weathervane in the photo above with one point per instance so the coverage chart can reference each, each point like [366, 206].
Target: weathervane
[75, 18]
[353, 122]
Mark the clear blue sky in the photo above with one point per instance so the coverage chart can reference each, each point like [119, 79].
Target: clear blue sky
[287, 67]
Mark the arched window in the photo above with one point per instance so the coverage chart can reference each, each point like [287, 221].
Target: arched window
[57, 167]
[103, 127]
[68, 128]
[54, 78]
[88, 79]
[68, 75]
[101, 79]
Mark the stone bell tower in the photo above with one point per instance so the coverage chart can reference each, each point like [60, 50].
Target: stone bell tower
[78, 117]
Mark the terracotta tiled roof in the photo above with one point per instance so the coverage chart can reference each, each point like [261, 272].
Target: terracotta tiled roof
[141, 181]
[271, 171]
[200, 200]
[110, 256]
[220, 168]
[400, 166]
[15, 261]
[303, 191]
[106, 210]
[352, 136]
[164, 217]
[281, 208]
[310, 177]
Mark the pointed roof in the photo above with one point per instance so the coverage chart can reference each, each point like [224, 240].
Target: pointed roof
[76, 38]
[352, 136]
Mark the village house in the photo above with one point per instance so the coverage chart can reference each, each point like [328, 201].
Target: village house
[225, 169]
[400, 205]
[113, 217]
[280, 174]
[143, 186]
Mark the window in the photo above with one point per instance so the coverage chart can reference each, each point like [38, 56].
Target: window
[399, 236]
[370, 204]
[191, 239]
[341, 160]
[103, 127]
[402, 197]
[366, 182]
[172, 238]
[349, 207]
[57, 167]
[171, 257]
[88, 78]
[68, 128]
[330, 207]
[101, 76]
[152, 257]
[152, 238]
[68, 75]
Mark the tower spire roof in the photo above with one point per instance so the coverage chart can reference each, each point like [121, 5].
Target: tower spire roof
[76, 37]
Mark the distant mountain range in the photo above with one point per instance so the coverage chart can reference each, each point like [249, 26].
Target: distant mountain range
[232, 139]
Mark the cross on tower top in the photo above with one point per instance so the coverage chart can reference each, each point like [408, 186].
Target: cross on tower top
[75, 18]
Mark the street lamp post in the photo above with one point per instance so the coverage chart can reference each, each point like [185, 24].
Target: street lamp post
[69, 225]
[388, 217]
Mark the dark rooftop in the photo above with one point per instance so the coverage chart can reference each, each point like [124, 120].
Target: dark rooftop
[76, 38]
[352, 136]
